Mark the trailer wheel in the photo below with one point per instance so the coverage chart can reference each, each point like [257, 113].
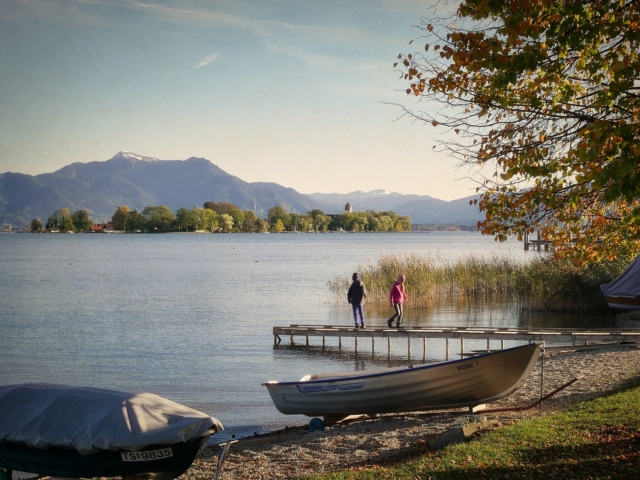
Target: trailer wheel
[316, 424]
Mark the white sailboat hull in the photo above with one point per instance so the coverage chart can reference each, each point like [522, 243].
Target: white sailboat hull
[460, 383]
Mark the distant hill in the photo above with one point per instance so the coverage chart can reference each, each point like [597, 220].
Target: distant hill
[135, 181]
[421, 208]
[138, 181]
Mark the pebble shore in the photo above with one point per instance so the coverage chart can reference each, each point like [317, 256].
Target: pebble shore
[383, 440]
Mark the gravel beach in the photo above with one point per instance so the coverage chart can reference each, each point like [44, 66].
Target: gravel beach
[385, 439]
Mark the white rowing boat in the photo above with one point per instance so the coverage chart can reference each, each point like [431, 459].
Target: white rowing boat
[467, 382]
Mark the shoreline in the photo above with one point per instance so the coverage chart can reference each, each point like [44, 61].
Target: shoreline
[294, 451]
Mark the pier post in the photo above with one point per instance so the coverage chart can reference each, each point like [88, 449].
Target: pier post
[323, 337]
[307, 340]
[373, 346]
[388, 346]
[424, 349]
[502, 343]
[462, 347]
[409, 348]
[447, 347]
[339, 344]
[356, 345]
[488, 345]
[292, 342]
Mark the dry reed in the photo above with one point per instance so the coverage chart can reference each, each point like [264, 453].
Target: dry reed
[540, 284]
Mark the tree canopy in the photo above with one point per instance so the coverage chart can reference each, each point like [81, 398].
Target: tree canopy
[544, 95]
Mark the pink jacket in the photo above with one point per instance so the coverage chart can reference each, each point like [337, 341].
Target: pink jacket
[397, 294]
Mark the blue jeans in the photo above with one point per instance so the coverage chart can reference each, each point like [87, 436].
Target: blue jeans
[357, 309]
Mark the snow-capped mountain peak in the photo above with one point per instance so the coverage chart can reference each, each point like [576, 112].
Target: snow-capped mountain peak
[134, 156]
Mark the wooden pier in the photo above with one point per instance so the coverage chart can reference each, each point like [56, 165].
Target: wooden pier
[537, 244]
[571, 338]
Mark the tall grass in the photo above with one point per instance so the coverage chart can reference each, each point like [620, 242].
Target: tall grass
[541, 284]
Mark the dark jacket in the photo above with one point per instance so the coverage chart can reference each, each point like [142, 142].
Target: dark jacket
[357, 293]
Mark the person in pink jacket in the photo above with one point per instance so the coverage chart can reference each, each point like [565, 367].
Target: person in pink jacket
[396, 297]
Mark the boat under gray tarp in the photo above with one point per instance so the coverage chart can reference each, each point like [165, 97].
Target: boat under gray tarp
[468, 382]
[624, 291]
[68, 431]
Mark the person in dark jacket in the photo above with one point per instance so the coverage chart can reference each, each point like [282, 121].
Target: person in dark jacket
[355, 296]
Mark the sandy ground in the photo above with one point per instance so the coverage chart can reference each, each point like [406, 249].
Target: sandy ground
[387, 438]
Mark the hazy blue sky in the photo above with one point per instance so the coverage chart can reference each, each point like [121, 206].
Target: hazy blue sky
[289, 91]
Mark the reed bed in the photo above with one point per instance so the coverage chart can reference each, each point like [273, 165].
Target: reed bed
[540, 284]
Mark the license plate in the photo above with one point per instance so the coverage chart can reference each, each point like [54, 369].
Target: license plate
[146, 456]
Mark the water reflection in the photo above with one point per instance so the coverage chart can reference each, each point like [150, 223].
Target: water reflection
[469, 312]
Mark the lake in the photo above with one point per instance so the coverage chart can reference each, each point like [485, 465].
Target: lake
[189, 317]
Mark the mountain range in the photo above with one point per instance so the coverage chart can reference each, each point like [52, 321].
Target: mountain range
[138, 181]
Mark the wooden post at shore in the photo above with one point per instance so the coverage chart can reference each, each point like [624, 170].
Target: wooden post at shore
[536, 244]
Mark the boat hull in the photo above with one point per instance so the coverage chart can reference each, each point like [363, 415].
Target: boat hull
[627, 303]
[68, 462]
[460, 383]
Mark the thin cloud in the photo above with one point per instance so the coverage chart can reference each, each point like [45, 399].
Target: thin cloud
[315, 60]
[207, 60]
[327, 33]
[55, 10]
[369, 66]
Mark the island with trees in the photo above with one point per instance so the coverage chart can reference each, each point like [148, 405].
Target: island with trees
[225, 217]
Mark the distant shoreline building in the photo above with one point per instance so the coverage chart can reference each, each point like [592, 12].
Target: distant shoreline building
[347, 209]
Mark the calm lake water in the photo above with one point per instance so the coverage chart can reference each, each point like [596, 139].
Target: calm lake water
[190, 317]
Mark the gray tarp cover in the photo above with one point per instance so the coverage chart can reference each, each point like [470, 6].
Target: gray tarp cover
[627, 284]
[87, 419]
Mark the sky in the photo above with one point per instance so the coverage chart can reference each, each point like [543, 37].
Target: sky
[298, 92]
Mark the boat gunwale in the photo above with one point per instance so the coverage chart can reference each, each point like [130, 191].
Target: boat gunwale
[403, 370]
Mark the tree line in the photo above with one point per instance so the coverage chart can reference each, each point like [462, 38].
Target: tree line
[226, 217]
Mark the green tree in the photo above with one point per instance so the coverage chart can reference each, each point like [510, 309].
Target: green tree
[134, 221]
[81, 221]
[61, 220]
[262, 225]
[278, 226]
[547, 96]
[182, 219]
[250, 219]
[359, 224]
[196, 218]
[36, 225]
[226, 207]
[374, 224]
[157, 218]
[322, 222]
[209, 220]
[238, 218]
[226, 222]
[119, 218]
[278, 213]
[386, 223]
[67, 225]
